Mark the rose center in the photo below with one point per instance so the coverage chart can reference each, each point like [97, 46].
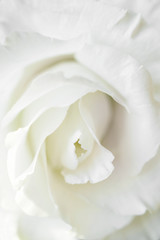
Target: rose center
[78, 149]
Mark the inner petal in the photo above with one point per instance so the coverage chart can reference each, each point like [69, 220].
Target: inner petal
[73, 138]
[83, 158]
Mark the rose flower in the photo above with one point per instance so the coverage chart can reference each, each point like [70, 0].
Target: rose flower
[80, 125]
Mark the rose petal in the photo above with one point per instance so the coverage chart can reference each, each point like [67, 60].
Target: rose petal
[71, 130]
[65, 23]
[50, 88]
[21, 49]
[96, 165]
[34, 228]
[149, 10]
[34, 196]
[148, 182]
[27, 142]
[9, 224]
[131, 196]
[97, 111]
[81, 213]
[144, 227]
[133, 85]
[18, 58]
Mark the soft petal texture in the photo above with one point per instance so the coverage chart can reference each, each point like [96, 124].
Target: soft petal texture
[83, 214]
[144, 227]
[134, 195]
[16, 52]
[96, 110]
[62, 87]
[34, 228]
[8, 225]
[71, 130]
[149, 10]
[132, 88]
[96, 165]
[24, 143]
[105, 22]
[34, 195]
[46, 91]
[65, 23]
[35, 54]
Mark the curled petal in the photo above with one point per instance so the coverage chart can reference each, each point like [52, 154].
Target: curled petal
[27, 142]
[131, 87]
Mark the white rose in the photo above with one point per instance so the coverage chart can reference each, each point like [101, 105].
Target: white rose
[80, 128]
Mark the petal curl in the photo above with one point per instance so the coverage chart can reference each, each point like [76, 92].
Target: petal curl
[97, 161]
[82, 214]
[47, 91]
[25, 144]
[131, 87]
[26, 55]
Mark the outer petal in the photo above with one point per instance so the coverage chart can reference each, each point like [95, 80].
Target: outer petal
[46, 91]
[131, 196]
[106, 23]
[144, 228]
[148, 9]
[20, 49]
[82, 214]
[27, 142]
[8, 225]
[26, 55]
[134, 36]
[64, 23]
[34, 195]
[34, 228]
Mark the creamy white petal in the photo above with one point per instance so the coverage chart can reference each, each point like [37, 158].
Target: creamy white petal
[9, 225]
[96, 113]
[132, 35]
[144, 228]
[24, 144]
[26, 55]
[68, 20]
[49, 89]
[148, 183]
[21, 49]
[148, 9]
[105, 22]
[6, 190]
[96, 164]
[132, 87]
[120, 196]
[102, 22]
[82, 214]
[130, 82]
[35, 228]
[97, 110]
[72, 130]
[127, 196]
[33, 196]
